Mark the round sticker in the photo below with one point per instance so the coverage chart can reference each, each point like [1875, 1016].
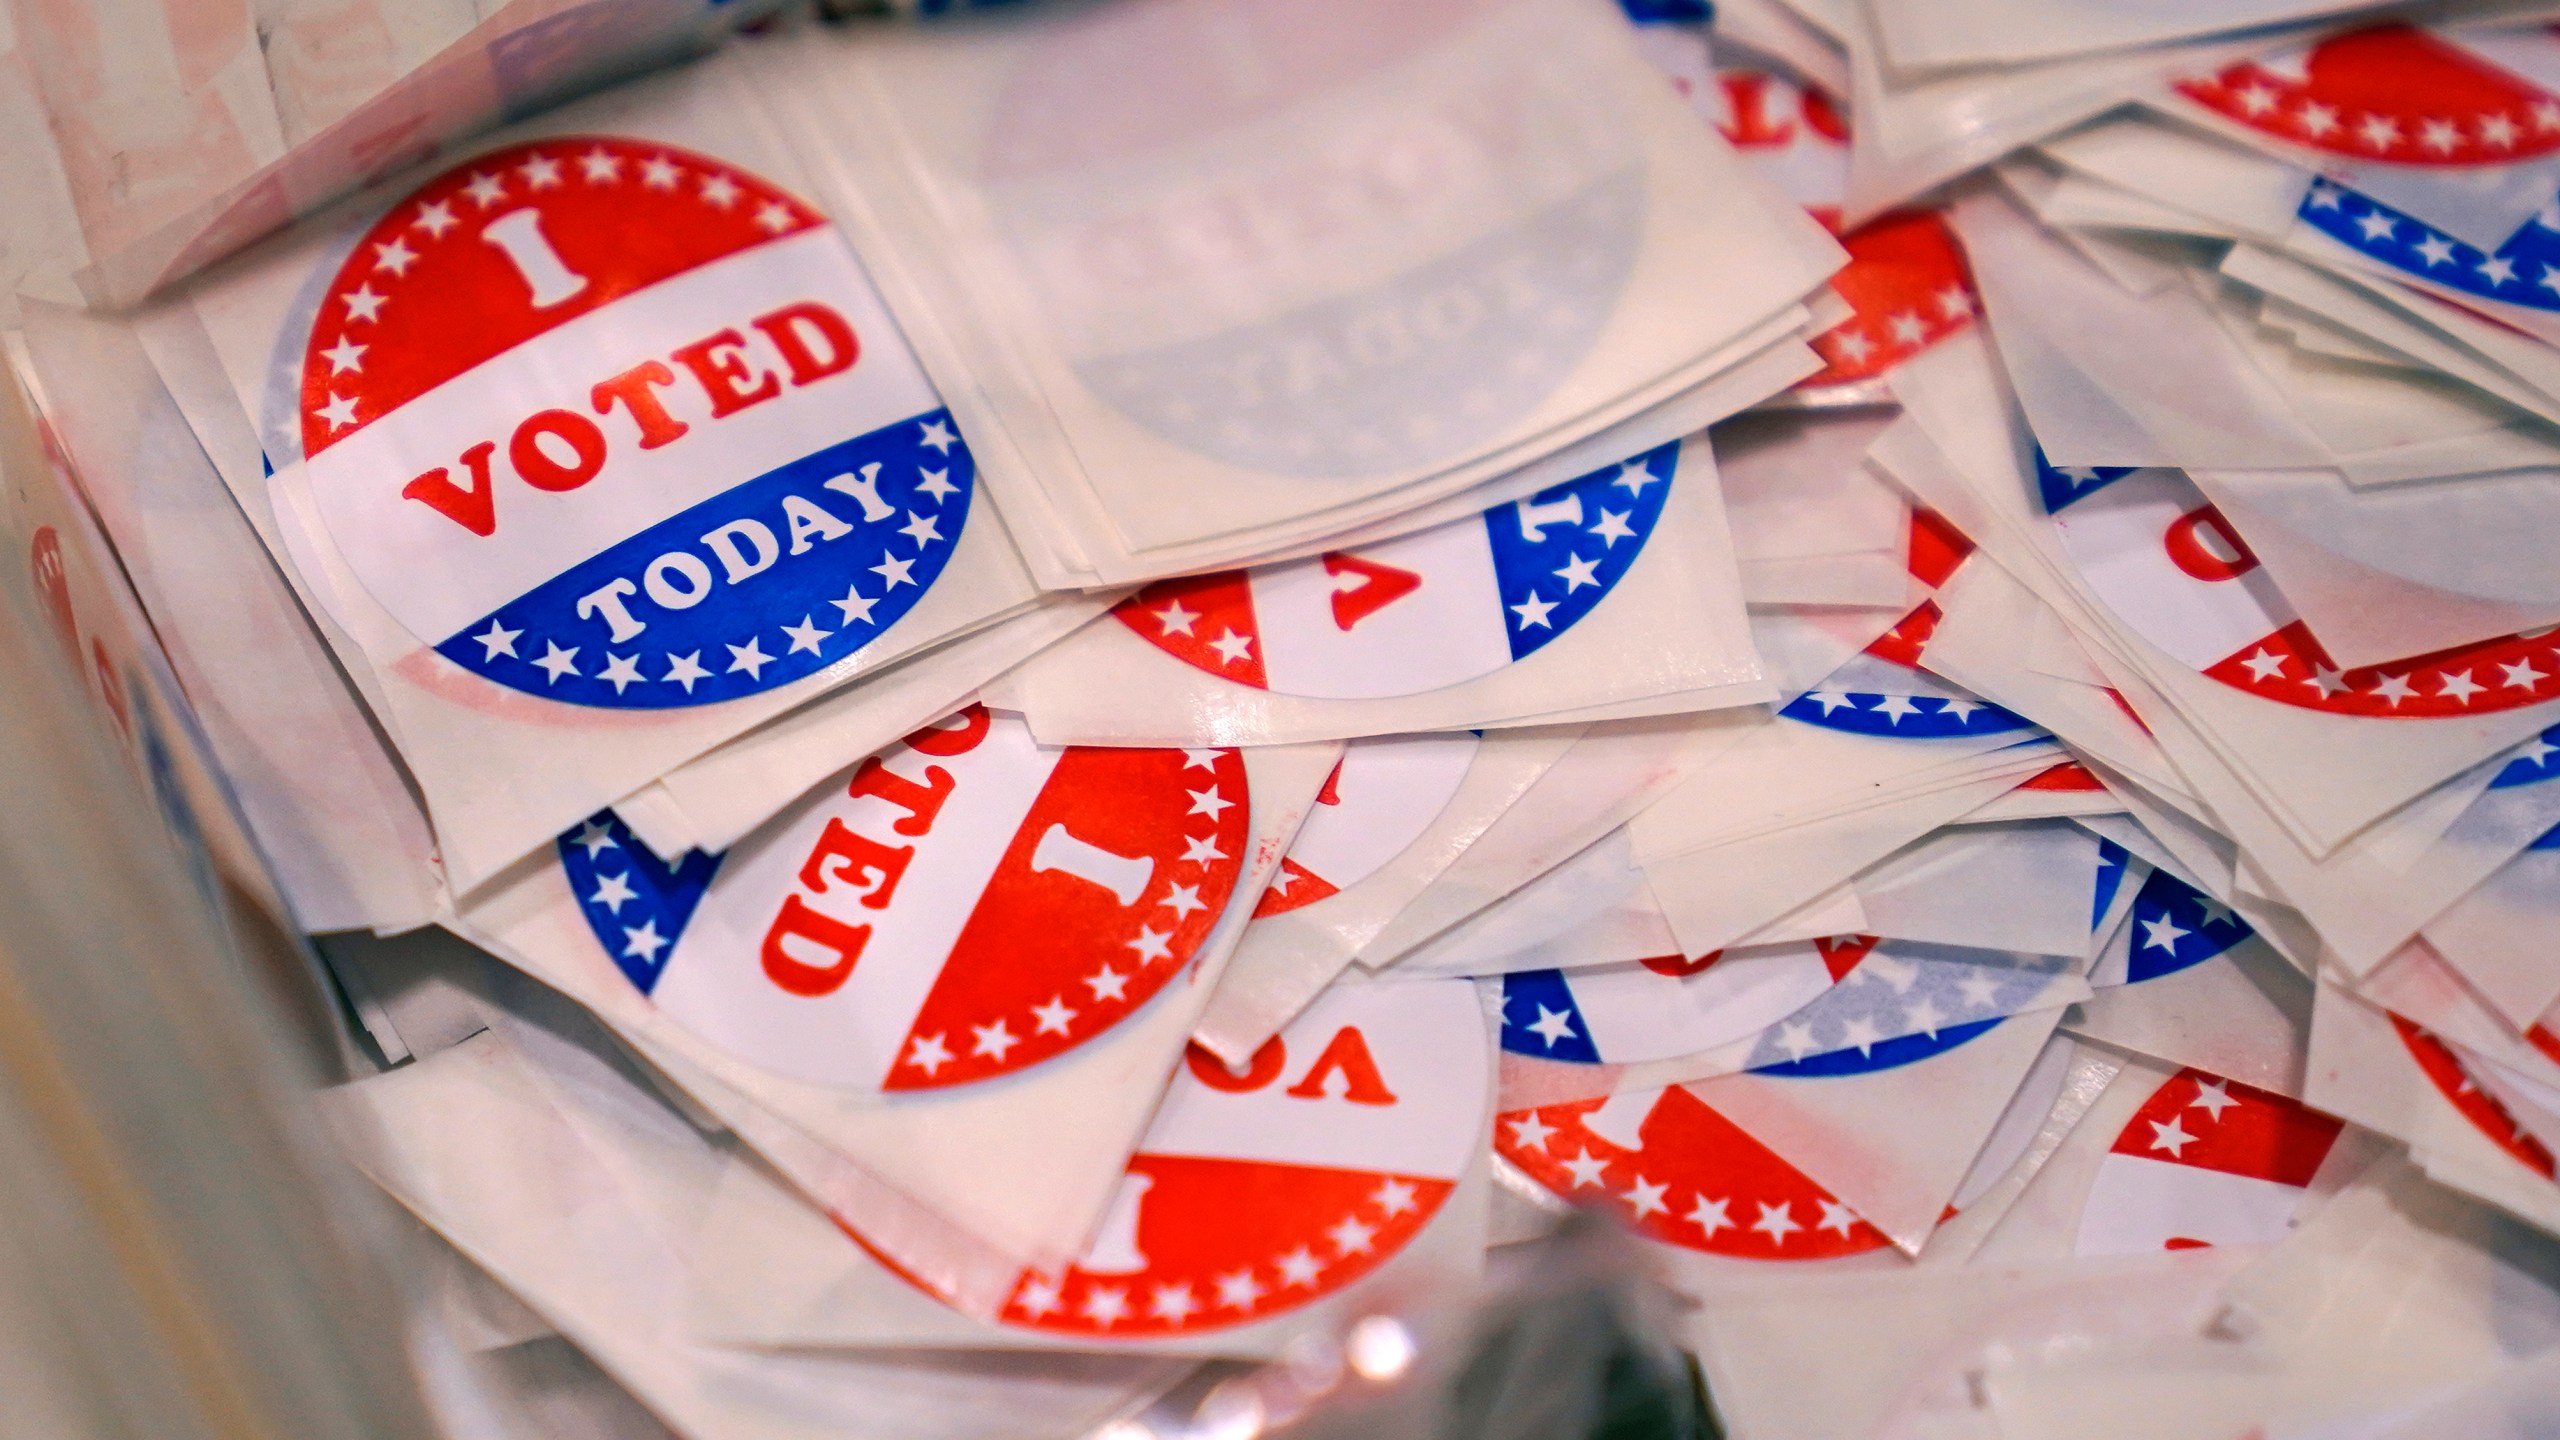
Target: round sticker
[968, 905]
[2443, 1070]
[1685, 1174]
[1381, 795]
[2205, 1161]
[2167, 564]
[2389, 92]
[1420, 613]
[1401, 240]
[1906, 279]
[1255, 1193]
[1666, 1006]
[622, 425]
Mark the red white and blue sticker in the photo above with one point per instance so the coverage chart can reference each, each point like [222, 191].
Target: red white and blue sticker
[1257, 1192]
[1883, 690]
[2167, 564]
[2444, 1070]
[968, 905]
[1429, 610]
[621, 425]
[1868, 1006]
[2176, 926]
[1383, 793]
[1685, 1175]
[2205, 1161]
[2524, 271]
[2396, 93]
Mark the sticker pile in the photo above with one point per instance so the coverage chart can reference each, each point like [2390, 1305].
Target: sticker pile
[1129, 681]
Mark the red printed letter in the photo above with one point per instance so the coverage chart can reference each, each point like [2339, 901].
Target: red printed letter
[866, 864]
[823, 933]
[1347, 1052]
[783, 327]
[720, 363]
[632, 388]
[474, 509]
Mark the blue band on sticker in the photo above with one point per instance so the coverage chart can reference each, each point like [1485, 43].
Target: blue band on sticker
[2175, 926]
[2534, 766]
[2525, 270]
[1915, 717]
[2547, 840]
[1557, 553]
[1539, 1019]
[2112, 862]
[2062, 486]
[1882, 1055]
[636, 903]
[766, 583]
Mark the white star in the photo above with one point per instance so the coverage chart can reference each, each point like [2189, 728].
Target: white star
[2435, 250]
[1232, 648]
[660, 173]
[363, 304]
[853, 605]
[1962, 710]
[622, 670]
[2379, 132]
[542, 172]
[1108, 984]
[1182, 900]
[2394, 688]
[1978, 989]
[2215, 912]
[436, 219]
[1896, 706]
[1105, 1305]
[2497, 270]
[1831, 700]
[2498, 130]
[344, 356]
[2264, 664]
[1039, 1297]
[938, 436]
[1861, 1032]
[1054, 1017]
[642, 942]
[1836, 1216]
[2327, 681]
[749, 657]
[1587, 1172]
[1900, 974]
[2546, 114]
[1954, 303]
[1924, 1016]
[2318, 119]
[2440, 136]
[1196, 758]
[2458, 686]
[894, 571]
[1796, 1039]
[774, 217]
[992, 1040]
[936, 483]
[1710, 1215]
[1202, 849]
[2537, 752]
[1577, 572]
[485, 190]
[1351, 1237]
[2255, 99]
[2162, 933]
[1239, 1291]
[1854, 344]
[2169, 1137]
[340, 412]
[1908, 329]
[2213, 1097]
[1633, 476]
[1210, 802]
[612, 891]
[719, 191]
[1611, 528]
[595, 836]
[1645, 1198]
[556, 662]
[1552, 1026]
[395, 256]
[929, 1054]
[1393, 1198]
[805, 636]
[1173, 1302]
[2377, 226]
[2325, 196]
[1776, 1221]
[1152, 946]
[1298, 1267]
[1530, 1133]
[2523, 676]
[497, 640]
[2550, 279]
[600, 166]
[1534, 611]
[1175, 619]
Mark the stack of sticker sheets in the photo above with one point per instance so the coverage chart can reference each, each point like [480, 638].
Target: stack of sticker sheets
[982, 710]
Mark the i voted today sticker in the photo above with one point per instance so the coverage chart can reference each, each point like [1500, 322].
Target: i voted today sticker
[622, 425]
[1423, 612]
[1383, 793]
[969, 904]
[2205, 1161]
